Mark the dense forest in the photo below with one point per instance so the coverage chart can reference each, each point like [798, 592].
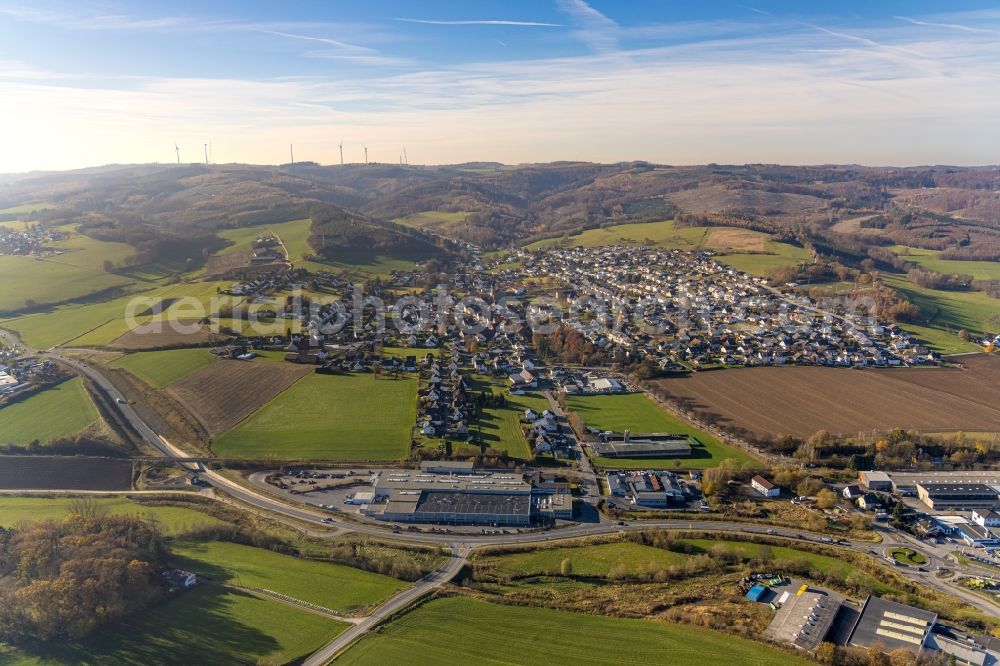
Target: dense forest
[61, 579]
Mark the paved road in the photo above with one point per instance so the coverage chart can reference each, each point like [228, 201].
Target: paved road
[461, 545]
[426, 585]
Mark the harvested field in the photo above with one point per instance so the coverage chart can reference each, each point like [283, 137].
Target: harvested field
[161, 335]
[226, 392]
[800, 401]
[731, 238]
[222, 264]
[64, 473]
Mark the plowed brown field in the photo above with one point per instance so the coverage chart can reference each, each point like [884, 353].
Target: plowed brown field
[64, 473]
[799, 401]
[226, 392]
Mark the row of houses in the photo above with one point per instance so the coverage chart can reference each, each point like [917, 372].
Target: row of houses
[685, 307]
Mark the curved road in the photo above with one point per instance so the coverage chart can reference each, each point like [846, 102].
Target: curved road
[460, 544]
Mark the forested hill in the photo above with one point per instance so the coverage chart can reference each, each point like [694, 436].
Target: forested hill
[955, 209]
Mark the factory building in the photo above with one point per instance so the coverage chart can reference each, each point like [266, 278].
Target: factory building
[652, 489]
[958, 496]
[892, 625]
[628, 445]
[482, 498]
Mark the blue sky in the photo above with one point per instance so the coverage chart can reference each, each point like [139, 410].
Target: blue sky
[85, 83]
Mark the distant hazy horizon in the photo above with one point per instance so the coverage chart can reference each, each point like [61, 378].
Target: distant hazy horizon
[502, 164]
[887, 83]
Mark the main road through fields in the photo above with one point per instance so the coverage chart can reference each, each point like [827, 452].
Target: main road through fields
[461, 545]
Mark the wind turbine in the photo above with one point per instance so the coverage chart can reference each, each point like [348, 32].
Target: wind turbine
[291, 153]
[366, 152]
[341, 146]
[178, 151]
[406, 160]
[206, 154]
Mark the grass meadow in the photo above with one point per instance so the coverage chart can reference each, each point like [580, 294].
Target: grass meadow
[98, 324]
[172, 519]
[329, 417]
[160, 368]
[205, 625]
[944, 313]
[340, 588]
[980, 270]
[544, 636]
[29, 282]
[56, 412]
[636, 412]
[25, 209]
[588, 560]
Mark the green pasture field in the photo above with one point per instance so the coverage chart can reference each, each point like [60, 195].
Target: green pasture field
[45, 281]
[294, 234]
[340, 588]
[16, 225]
[85, 252]
[24, 209]
[779, 255]
[96, 324]
[946, 312]
[172, 519]
[589, 560]
[369, 264]
[329, 417]
[543, 636]
[64, 323]
[433, 219]
[205, 625]
[160, 368]
[822, 563]
[56, 412]
[980, 270]
[639, 414]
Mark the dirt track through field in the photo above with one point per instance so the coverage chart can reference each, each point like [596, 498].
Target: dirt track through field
[226, 392]
[802, 400]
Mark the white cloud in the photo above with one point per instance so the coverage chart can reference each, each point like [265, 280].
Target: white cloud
[790, 95]
[525, 24]
[592, 27]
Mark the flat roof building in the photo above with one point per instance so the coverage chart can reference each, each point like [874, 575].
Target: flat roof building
[483, 498]
[654, 445]
[646, 488]
[879, 481]
[958, 496]
[447, 466]
[893, 625]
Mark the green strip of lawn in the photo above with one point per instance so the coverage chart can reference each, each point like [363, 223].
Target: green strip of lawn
[340, 588]
[460, 631]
